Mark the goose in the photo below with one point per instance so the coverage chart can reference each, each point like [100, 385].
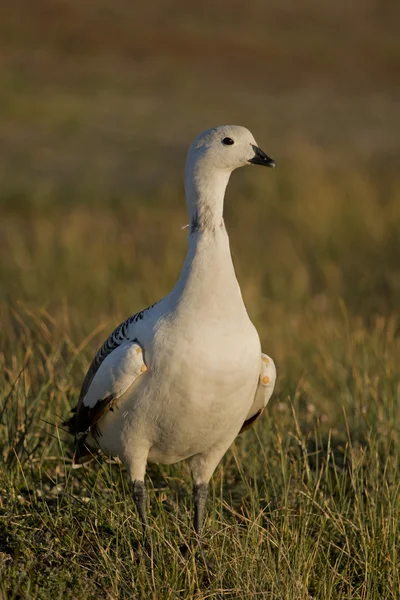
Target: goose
[182, 378]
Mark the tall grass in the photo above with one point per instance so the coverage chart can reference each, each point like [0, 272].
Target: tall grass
[307, 504]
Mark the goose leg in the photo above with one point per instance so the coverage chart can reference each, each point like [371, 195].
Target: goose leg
[203, 466]
[200, 493]
[137, 470]
[140, 498]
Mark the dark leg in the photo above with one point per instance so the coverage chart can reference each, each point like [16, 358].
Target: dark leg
[200, 492]
[140, 498]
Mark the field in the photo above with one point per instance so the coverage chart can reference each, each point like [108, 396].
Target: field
[98, 107]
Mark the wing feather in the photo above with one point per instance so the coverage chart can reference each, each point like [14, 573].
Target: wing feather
[114, 368]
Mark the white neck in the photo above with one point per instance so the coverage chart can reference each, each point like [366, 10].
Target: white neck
[205, 190]
[208, 283]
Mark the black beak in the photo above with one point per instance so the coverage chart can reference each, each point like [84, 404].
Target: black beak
[260, 158]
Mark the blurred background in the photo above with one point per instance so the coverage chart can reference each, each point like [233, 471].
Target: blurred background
[99, 102]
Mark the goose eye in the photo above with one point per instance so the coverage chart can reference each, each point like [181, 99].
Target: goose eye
[228, 141]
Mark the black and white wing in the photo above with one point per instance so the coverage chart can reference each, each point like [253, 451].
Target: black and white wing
[117, 364]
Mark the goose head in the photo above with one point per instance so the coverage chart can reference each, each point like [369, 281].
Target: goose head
[227, 148]
[212, 157]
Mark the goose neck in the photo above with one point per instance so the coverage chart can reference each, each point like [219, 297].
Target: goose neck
[205, 190]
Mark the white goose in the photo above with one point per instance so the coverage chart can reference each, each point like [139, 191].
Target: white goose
[182, 378]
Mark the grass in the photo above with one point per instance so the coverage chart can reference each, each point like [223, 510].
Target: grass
[306, 505]
[98, 103]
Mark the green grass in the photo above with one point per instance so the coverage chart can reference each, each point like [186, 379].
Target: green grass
[306, 505]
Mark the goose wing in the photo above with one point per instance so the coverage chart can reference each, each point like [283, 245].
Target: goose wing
[264, 391]
[117, 364]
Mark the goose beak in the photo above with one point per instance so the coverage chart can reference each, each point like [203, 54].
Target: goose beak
[260, 158]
